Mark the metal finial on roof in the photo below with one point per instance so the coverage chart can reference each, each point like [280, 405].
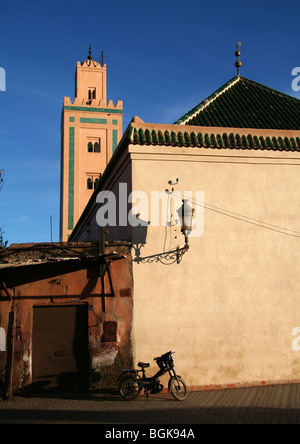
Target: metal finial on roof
[90, 53]
[102, 58]
[238, 63]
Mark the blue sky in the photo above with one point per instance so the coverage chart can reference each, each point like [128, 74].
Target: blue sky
[164, 57]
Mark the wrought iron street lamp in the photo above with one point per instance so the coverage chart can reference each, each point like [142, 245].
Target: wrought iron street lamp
[185, 213]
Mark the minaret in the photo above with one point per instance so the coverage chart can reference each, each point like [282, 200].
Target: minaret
[90, 131]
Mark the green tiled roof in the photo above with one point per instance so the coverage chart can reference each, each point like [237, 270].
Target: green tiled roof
[142, 136]
[243, 103]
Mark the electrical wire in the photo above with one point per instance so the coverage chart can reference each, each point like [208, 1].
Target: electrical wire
[244, 218]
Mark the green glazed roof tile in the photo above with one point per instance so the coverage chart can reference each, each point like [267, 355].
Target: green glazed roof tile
[243, 103]
[141, 136]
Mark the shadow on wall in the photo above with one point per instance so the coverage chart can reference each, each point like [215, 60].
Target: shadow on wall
[139, 236]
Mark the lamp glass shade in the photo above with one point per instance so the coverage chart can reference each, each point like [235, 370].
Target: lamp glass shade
[186, 213]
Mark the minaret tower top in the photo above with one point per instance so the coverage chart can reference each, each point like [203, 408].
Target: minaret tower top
[90, 80]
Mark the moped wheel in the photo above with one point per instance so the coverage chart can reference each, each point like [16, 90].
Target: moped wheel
[129, 388]
[178, 388]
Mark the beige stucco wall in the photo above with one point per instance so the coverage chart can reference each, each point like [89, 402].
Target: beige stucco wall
[229, 308]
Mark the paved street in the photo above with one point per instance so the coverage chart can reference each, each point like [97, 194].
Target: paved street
[278, 404]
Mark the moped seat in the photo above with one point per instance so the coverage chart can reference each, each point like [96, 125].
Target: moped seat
[143, 364]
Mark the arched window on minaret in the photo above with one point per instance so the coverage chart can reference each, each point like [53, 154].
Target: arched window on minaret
[89, 184]
[90, 147]
[91, 93]
[96, 147]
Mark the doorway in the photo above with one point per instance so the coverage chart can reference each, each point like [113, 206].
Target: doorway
[60, 358]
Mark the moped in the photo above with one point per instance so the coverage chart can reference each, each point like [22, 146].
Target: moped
[131, 382]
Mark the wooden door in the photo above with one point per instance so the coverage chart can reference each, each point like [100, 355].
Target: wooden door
[60, 360]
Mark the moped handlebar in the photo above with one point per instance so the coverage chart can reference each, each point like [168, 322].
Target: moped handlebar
[162, 356]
